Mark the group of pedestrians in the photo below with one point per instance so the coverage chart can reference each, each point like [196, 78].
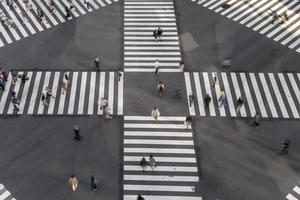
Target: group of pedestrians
[73, 181]
[280, 19]
[157, 33]
[46, 96]
[152, 163]
[3, 78]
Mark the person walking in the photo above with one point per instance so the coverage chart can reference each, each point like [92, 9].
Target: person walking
[93, 185]
[49, 93]
[239, 103]
[143, 163]
[159, 33]
[139, 197]
[160, 88]
[152, 162]
[222, 99]
[156, 67]
[44, 99]
[88, 4]
[155, 34]
[256, 120]
[2, 84]
[97, 63]
[191, 98]
[285, 146]
[76, 132]
[214, 79]
[181, 65]
[73, 182]
[68, 12]
[155, 113]
[65, 83]
[188, 122]
[207, 100]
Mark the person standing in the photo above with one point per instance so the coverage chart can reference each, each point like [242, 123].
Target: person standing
[44, 100]
[152, 162]
[155, 113]
[191, 99]
[160, 88]
[73, 182]
[181, 65]
[239, 103]
[156, 67]
[93, 185]
[207, 100]
[77, 133]
[143, 163]
[159, 33]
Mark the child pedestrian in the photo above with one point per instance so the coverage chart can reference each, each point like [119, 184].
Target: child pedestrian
[73, 182]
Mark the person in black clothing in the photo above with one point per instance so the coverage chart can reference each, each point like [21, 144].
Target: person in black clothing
[140, 197]
[93, 184]
[76, 133]
[143, 163]
[159, 33]
[239, 103]
[285, 146]
[207, 100]
[155, 34]
[68, 12]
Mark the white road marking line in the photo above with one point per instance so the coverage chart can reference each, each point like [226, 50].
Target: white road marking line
[166, 188]
[248, 94]
[148, 7]
[295, 86]
[161, 178]
[228, 94]
[149, 24]
[32, 17]
[73, 93]
[291, 197]
[49, 15]
[120, 93]
[16, 89]
[148, 3]
[157, 53]
[111, 91]
[149, 19]
[238, 93]
[55, 88]
[25, 93]
[4, 195]
[44, 87]
[208, 91]
[163, 159]
[165, 126]
[34, 92]
[158, 134]
[170, 48]
[62, 100]
[82, 93]
[297, 189]
[101, 91]
[158, 142]
[74, 12]
[149, 118]
[159, 150]
[92, 93]
[259, 99]
[191, 105]
[5, 35]
[156, 197]
[101, 3]
[162, 168]
[28, 25]
[154, 58]
[79, 7]
[150, 43]
[140, 28]
[199, 94]
[218, 92]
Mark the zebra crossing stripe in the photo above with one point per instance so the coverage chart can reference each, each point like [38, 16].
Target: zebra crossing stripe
[111, 91]
[218, 92]
[61, 19]
[82, 93]
[92, 93]
[138, 28]
[101, 90]
[199, 94]
[120, 93]
[251, 16]
[54, 92]
[208, 91]
[148, 7]
[163, 126]
[165, 188]
[25, 93]
[162, 168]
[44, 88]
[35, 11]
[160, 142]
[16, 89]
[161, 118]
[79, 7]
[297, 189]
[228, 94]
[245, 12]
[101, 3]
[238, 93]
[278, 96]
[148, 3]
[5, 35]
[295, 87]
[157, 134]
[189, 92]
[73, 93]
[60, 6]
[258, 96]
[163, 159]
[4, 195]
[32, 17]
[108, 1]
[62, 100]
[34, 92]
[291, 197]
[164, 197]
[288, 95]
[268, 95]
[159, 150]
[248, 94]
[161, 178]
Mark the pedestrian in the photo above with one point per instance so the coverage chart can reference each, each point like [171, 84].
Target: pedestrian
[207, 100]
[222, 99]
[188, 122]
[285, 146]
[285, 16]
[88, 4]
[143, 163]
[76, 133]
[73, 182]
[256, 120]
[3, 74]
[226, 62]
[49, 93]
[155, 113]
[119, 75]
[71, 5]
[160, 88]
[93, 184]
[107, 113]
[155, 34]
[16, 102]
[139, 197]
[152, 162]
[159, 33]
[103, 103]
[181, 65]
[65, 83]
[50, 4]
[12, 93]
[68, 12]
[191, 98]
[2, 84]
[44, 100]
[156, 67]
[41, 16]
[97, 63]
[214, 79]
[239, 103]
[15, 77]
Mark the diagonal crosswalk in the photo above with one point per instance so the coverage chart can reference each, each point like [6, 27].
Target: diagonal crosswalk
[273, 95]
[26, 22]
[141, 50]
[295, 194]
[258, 15]
[5, 194]
[171, 143]
[82, 95]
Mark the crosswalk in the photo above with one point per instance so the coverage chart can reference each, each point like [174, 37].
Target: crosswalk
[295, 194]
[171, 143]
[81, 97]
[273, 95]
[141, 50]
[257, 15]
[25, 22]
[5, 194]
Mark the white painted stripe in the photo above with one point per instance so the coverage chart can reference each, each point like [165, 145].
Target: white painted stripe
[79, 7]
[209, 2]
[295, 86]
[151, 48]
[228, 95]
[55, 87]
[101, 3]
[149, 11]
[162, 159]
[61, 19]
[297, 189]
[16, 89]
[291, 197]
[152, 126]
[92, 93]
[120, 93]
[14, 33]
[218, 92]
[5, 35]
[150, 64]
[278, 96]
[140, 33]
[150, 53]
[136, 38]
[253, 14]
[159, 150]
[60, 6]
[231, 8]
[62, 100]
[28, 25]
[248, 94]
[218, 3]
[150, 70]
[158, 134]
[220, 8]
[199, 94]
[32, 17]
[148, 3]
[1, 186]
[149, 118]
[149, 19]
[268, 95]
[161, 168]
[165, 188]
[150, 43]
[111, 91]
[160, 141]
[82, 93]
[73, 93]
[238, 93]
[34, 93]
[154, 58]
[149, 7]
[188, 86]
[259, 99]
[101, 91]
[288, 95]
[149, 24]
[45, 85]
[295, 44]
[149, 15]
[25, 93]
[49, 15]
[35, 11]
[208, 91]
[161, 178]
[244, 10]
[108, 1]
[148, 197]
[4, 195]
[139, 28]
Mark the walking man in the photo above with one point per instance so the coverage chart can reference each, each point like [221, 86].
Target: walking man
[285, 146]
[143, 163]
[156, 67]
[159, 33]
[76, 133]
[68, 12]
[214, 79]
[155, 113]
[222, 99]
[44, 100]
[73, 182]
[139, 197]
[155, 34]
[191, 99]
[97, 63]
[207, 100]
[239, 103]
[160, 88]
[88, 4]
[65, 83]
[188, 122]
[256, 120]
[93, 185]
[152, 162]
